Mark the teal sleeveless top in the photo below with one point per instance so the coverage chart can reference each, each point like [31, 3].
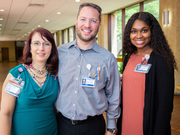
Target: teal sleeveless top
[34, 109]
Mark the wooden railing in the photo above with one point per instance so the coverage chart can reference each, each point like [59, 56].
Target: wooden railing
[119, 59]
[178, 87]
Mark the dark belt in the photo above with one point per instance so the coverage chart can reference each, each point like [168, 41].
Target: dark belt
[76, 122]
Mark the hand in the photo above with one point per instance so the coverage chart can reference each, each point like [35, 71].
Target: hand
[108, 133]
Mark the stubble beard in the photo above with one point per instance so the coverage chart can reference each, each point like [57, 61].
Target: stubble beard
[84, 39]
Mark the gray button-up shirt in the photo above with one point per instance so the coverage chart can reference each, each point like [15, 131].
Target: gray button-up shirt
[78, 102]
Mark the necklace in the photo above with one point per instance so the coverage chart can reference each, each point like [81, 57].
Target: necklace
[34, 76]
[41, 72]
[41, 77]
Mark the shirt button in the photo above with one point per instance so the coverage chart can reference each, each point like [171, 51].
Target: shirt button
[76, 78]
[81, 54]
[78, 65]
[75, 91]
[74, 105]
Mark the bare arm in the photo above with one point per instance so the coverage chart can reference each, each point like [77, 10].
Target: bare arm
[108, 133]
[7, 109]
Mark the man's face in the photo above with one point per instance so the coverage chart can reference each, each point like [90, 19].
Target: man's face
[87, 24]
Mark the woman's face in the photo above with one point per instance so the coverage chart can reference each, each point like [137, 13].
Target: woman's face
[40, 48]
[140, 35]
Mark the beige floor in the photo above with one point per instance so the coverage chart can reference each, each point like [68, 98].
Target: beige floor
[4, 69]
[175, 123]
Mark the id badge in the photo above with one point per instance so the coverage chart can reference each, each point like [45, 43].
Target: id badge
[143, 68]
[14, 86]
[87, 82]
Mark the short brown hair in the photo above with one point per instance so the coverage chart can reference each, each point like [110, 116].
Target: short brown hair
[98, 8]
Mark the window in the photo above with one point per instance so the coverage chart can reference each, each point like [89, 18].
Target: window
[129, 11]
[152, 6]
[71, 34]
[116, 33]
[116, 47]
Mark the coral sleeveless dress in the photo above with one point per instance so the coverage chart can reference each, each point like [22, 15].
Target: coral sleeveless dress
[133, 98]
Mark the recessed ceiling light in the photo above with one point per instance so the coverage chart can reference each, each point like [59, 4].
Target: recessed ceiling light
[77, 0]
[1, 18]
[46, 20]
[2, 10]
[58, 13]
[39, 25]
[0, 24]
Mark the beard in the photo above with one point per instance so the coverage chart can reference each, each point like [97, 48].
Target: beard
[86, 39]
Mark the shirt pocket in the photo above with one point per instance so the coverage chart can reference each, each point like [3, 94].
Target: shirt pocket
[100, 78]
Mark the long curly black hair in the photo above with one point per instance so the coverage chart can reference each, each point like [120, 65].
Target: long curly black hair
[158, 41]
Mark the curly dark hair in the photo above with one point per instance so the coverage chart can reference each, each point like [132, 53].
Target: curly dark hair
[52, 62]
[158, 41]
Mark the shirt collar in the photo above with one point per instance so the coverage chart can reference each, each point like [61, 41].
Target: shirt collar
[73, 43]
[94, 45]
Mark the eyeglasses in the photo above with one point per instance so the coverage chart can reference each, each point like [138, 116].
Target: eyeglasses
[92, 21]
[38, 43]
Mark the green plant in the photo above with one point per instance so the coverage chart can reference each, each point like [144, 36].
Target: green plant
[120, 67]
[120, 64]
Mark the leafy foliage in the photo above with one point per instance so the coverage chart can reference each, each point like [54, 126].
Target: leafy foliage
[152, 6]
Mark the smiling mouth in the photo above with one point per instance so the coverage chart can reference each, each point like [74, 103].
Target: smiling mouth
[41, 54]
[86, 30]
[139, 42]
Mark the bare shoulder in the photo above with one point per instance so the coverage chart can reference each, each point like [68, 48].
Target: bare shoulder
[7, 100]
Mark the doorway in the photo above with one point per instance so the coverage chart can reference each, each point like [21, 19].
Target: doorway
[5, 54]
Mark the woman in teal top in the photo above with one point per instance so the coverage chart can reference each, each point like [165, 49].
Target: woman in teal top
[31, 88]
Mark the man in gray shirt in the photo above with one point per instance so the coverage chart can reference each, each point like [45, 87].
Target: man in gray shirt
[89, 80]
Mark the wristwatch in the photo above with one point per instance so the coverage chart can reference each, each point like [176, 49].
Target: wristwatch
[113, 131]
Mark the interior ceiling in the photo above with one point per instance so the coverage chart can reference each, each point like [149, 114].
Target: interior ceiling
[20, 17]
